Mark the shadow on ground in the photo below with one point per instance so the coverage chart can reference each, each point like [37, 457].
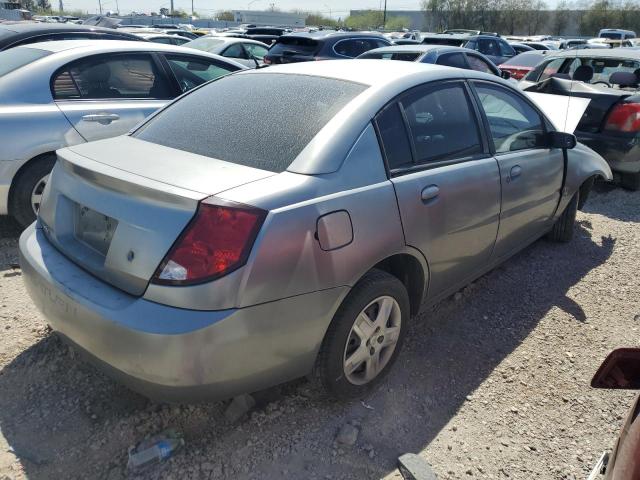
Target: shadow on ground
[66, 420]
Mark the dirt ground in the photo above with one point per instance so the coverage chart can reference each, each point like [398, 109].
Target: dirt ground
[492, 383]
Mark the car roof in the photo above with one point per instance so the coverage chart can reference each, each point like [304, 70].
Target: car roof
[321, 34]
[630, 53]
[459, 36]
[420, 48]
[374, 73]
[232, 39]
[114, 46]
[51, 27]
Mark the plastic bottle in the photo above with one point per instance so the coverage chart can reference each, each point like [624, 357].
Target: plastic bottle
[155, 449]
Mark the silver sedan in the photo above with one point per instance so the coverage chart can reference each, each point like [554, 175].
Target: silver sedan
[58, 94]
[246, 51]
[227, 245]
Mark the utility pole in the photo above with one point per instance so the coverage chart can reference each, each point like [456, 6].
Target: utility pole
[100, 6]
[192, 12]
[117, 8]
[61, 7]
[384, 16]
[172, 8]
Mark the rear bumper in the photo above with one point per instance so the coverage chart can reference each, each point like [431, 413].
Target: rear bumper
[174, 354]
[621, 153]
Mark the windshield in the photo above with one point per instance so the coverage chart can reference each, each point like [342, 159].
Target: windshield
[259, 120]
[207, 44]
[18, 57]
[294, 45]
[406, 56]
[526, 59]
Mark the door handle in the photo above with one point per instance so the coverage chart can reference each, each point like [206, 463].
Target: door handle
[515, 172]
[103, 118]
[430, 193]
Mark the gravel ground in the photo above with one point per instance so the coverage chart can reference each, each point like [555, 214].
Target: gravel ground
[492, 383]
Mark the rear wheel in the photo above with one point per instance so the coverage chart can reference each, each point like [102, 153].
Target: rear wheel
[27, 189]
[365, 336]
[562, 230]
[631, 181]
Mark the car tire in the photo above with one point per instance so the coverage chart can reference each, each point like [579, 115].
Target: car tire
[630, 181]
[562, 230]
[377, 292]
[22, 188]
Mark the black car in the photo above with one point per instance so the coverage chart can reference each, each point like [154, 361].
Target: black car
[492, 46]
[13, 35]
[323, 45]
[457, 57]
[611, 122]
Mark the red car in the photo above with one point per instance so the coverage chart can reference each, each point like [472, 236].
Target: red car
[621, 370]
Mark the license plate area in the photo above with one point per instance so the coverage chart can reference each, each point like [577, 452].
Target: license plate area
[94, 229]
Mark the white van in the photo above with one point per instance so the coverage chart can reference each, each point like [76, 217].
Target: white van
[616, 34]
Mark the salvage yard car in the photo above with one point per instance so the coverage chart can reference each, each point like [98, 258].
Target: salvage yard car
[611, 80]
[56, 94]
[457, 57]
[206, 254]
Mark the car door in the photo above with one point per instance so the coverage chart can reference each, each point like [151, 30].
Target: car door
[447, 183]
[190, 71]
[106, 95]
[531, 173]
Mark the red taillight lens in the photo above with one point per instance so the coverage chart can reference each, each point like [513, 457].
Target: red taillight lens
[517, 73]
[266, 61]
[624, 117]
[216, 242]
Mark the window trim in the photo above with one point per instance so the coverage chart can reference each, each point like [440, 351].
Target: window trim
[476, 115]
[151, 55]
[546, 124]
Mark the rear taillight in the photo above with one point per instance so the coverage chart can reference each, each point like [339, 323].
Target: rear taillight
[266, 61]
[517, 73]
[216, 242]
[624, 117]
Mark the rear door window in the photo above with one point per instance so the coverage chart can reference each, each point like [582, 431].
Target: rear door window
[479, 64]
[551, 68]
[257, 51]
[191, 71]
[456, 60]
[268, 132]
[436, 116]
[121, 76]
[488, 47]
[234, 51]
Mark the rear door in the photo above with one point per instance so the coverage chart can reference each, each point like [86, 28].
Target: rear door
[531, 172]
[446, 181]
[106, 95]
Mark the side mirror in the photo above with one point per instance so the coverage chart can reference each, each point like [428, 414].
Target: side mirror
[620, 370]
[505, 74]
[561, 140]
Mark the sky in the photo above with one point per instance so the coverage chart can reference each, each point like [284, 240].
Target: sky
[337, 8]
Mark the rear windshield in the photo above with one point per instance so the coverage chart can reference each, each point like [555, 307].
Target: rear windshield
[259, 120]
[406, 56]
[611, 35]
[18, 57]
[526, 59]
[444, 41]
[294, 45]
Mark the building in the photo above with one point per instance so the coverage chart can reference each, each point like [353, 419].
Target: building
[257, 17]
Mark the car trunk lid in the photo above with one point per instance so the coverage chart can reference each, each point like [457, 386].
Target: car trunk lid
[115, 207]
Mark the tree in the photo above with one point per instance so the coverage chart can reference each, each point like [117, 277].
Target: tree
[180, 13]
[561, 17]
[28, 4]
[44, 5]
[225, 15]
[318, 19]
[367, 20]
[397, 23]
[165, 11]
[536, 17]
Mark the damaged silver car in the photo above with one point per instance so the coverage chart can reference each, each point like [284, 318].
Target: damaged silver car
[290, 220]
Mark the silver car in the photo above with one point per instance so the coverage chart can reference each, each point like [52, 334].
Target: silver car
[246, 51]
[58, 94]
[225, 246]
